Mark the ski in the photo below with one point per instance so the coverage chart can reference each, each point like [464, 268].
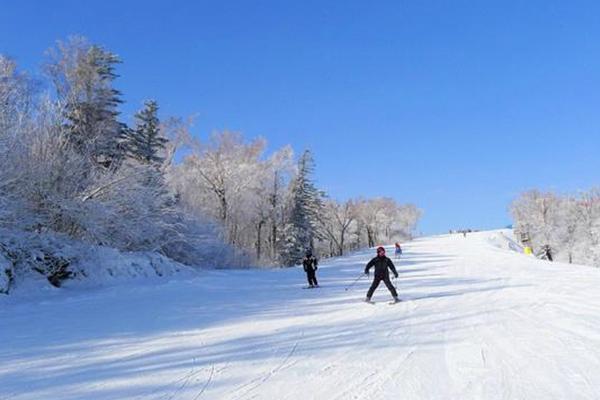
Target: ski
[390, 302]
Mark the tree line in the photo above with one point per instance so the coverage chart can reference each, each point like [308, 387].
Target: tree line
[568, 225]
[71, 166]
[270, 205]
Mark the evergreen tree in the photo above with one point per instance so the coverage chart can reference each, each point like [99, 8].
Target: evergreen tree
[84, 75]
[306, 205]
[144, 143]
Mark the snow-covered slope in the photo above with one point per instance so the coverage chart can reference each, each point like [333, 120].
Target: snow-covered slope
[480, 321]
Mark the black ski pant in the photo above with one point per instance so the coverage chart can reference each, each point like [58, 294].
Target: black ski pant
[311, 275]
[377, 281]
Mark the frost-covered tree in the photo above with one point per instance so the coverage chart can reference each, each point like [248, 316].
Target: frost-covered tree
[306, 206]
[177, 133]
[17, 103]
[371, 213]
[338, 219]
[384, 220]
[568, 215]
[570, 224]
[268, 207]
[406, 218]
[16, 99]
[144, 142]
[83, 75]
[217, 176]
[537, 215]
[588, 246]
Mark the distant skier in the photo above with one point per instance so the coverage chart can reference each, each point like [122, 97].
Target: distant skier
[398, 250]
[310, 265]
[382, 264]
[546, 253]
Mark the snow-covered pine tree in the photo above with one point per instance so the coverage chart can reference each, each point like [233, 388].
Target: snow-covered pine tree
[144, 142]
[306, 204]
[83, 75]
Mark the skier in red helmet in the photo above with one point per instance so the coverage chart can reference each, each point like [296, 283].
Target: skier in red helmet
[382, 266]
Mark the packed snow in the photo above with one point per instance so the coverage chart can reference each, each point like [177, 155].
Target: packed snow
[479, 320]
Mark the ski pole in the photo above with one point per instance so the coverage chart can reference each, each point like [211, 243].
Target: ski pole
[354, 281]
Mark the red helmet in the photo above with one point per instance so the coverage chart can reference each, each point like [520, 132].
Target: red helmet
[381, 249]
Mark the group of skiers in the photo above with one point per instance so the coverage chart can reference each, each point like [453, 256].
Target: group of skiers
[463, 231]
[381, 264]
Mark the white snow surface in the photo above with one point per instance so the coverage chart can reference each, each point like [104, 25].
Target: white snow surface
[479, 320]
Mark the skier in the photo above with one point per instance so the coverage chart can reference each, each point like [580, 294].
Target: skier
[381, 264]
[310, 265]
[398, 251]
[546, 253]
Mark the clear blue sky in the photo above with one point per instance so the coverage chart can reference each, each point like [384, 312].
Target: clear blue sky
[456, 106]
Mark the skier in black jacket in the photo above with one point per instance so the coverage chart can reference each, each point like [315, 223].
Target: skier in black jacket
[381, 264]
[310, 265]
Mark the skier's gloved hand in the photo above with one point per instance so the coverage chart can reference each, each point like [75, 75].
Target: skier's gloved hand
[396, 276]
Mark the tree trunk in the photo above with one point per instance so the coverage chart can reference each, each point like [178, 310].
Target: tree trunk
[274, 240]
[259, 239]
[223, 202]
[370, 238]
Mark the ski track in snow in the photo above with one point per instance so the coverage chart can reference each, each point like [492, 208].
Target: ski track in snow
[478, 321]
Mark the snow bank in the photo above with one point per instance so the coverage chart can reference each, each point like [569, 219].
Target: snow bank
[504, 239]
[103, 264]
[30, 261]
[5, 274]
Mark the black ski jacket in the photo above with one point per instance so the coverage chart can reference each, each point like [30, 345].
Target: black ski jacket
[381, 265]
[310, 263]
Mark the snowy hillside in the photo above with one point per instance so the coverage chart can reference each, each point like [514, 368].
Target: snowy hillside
[479, 321]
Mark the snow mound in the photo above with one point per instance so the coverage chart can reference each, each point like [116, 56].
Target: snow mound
[30, 262]
[104, 264]
[504, 239]
[5, 274]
